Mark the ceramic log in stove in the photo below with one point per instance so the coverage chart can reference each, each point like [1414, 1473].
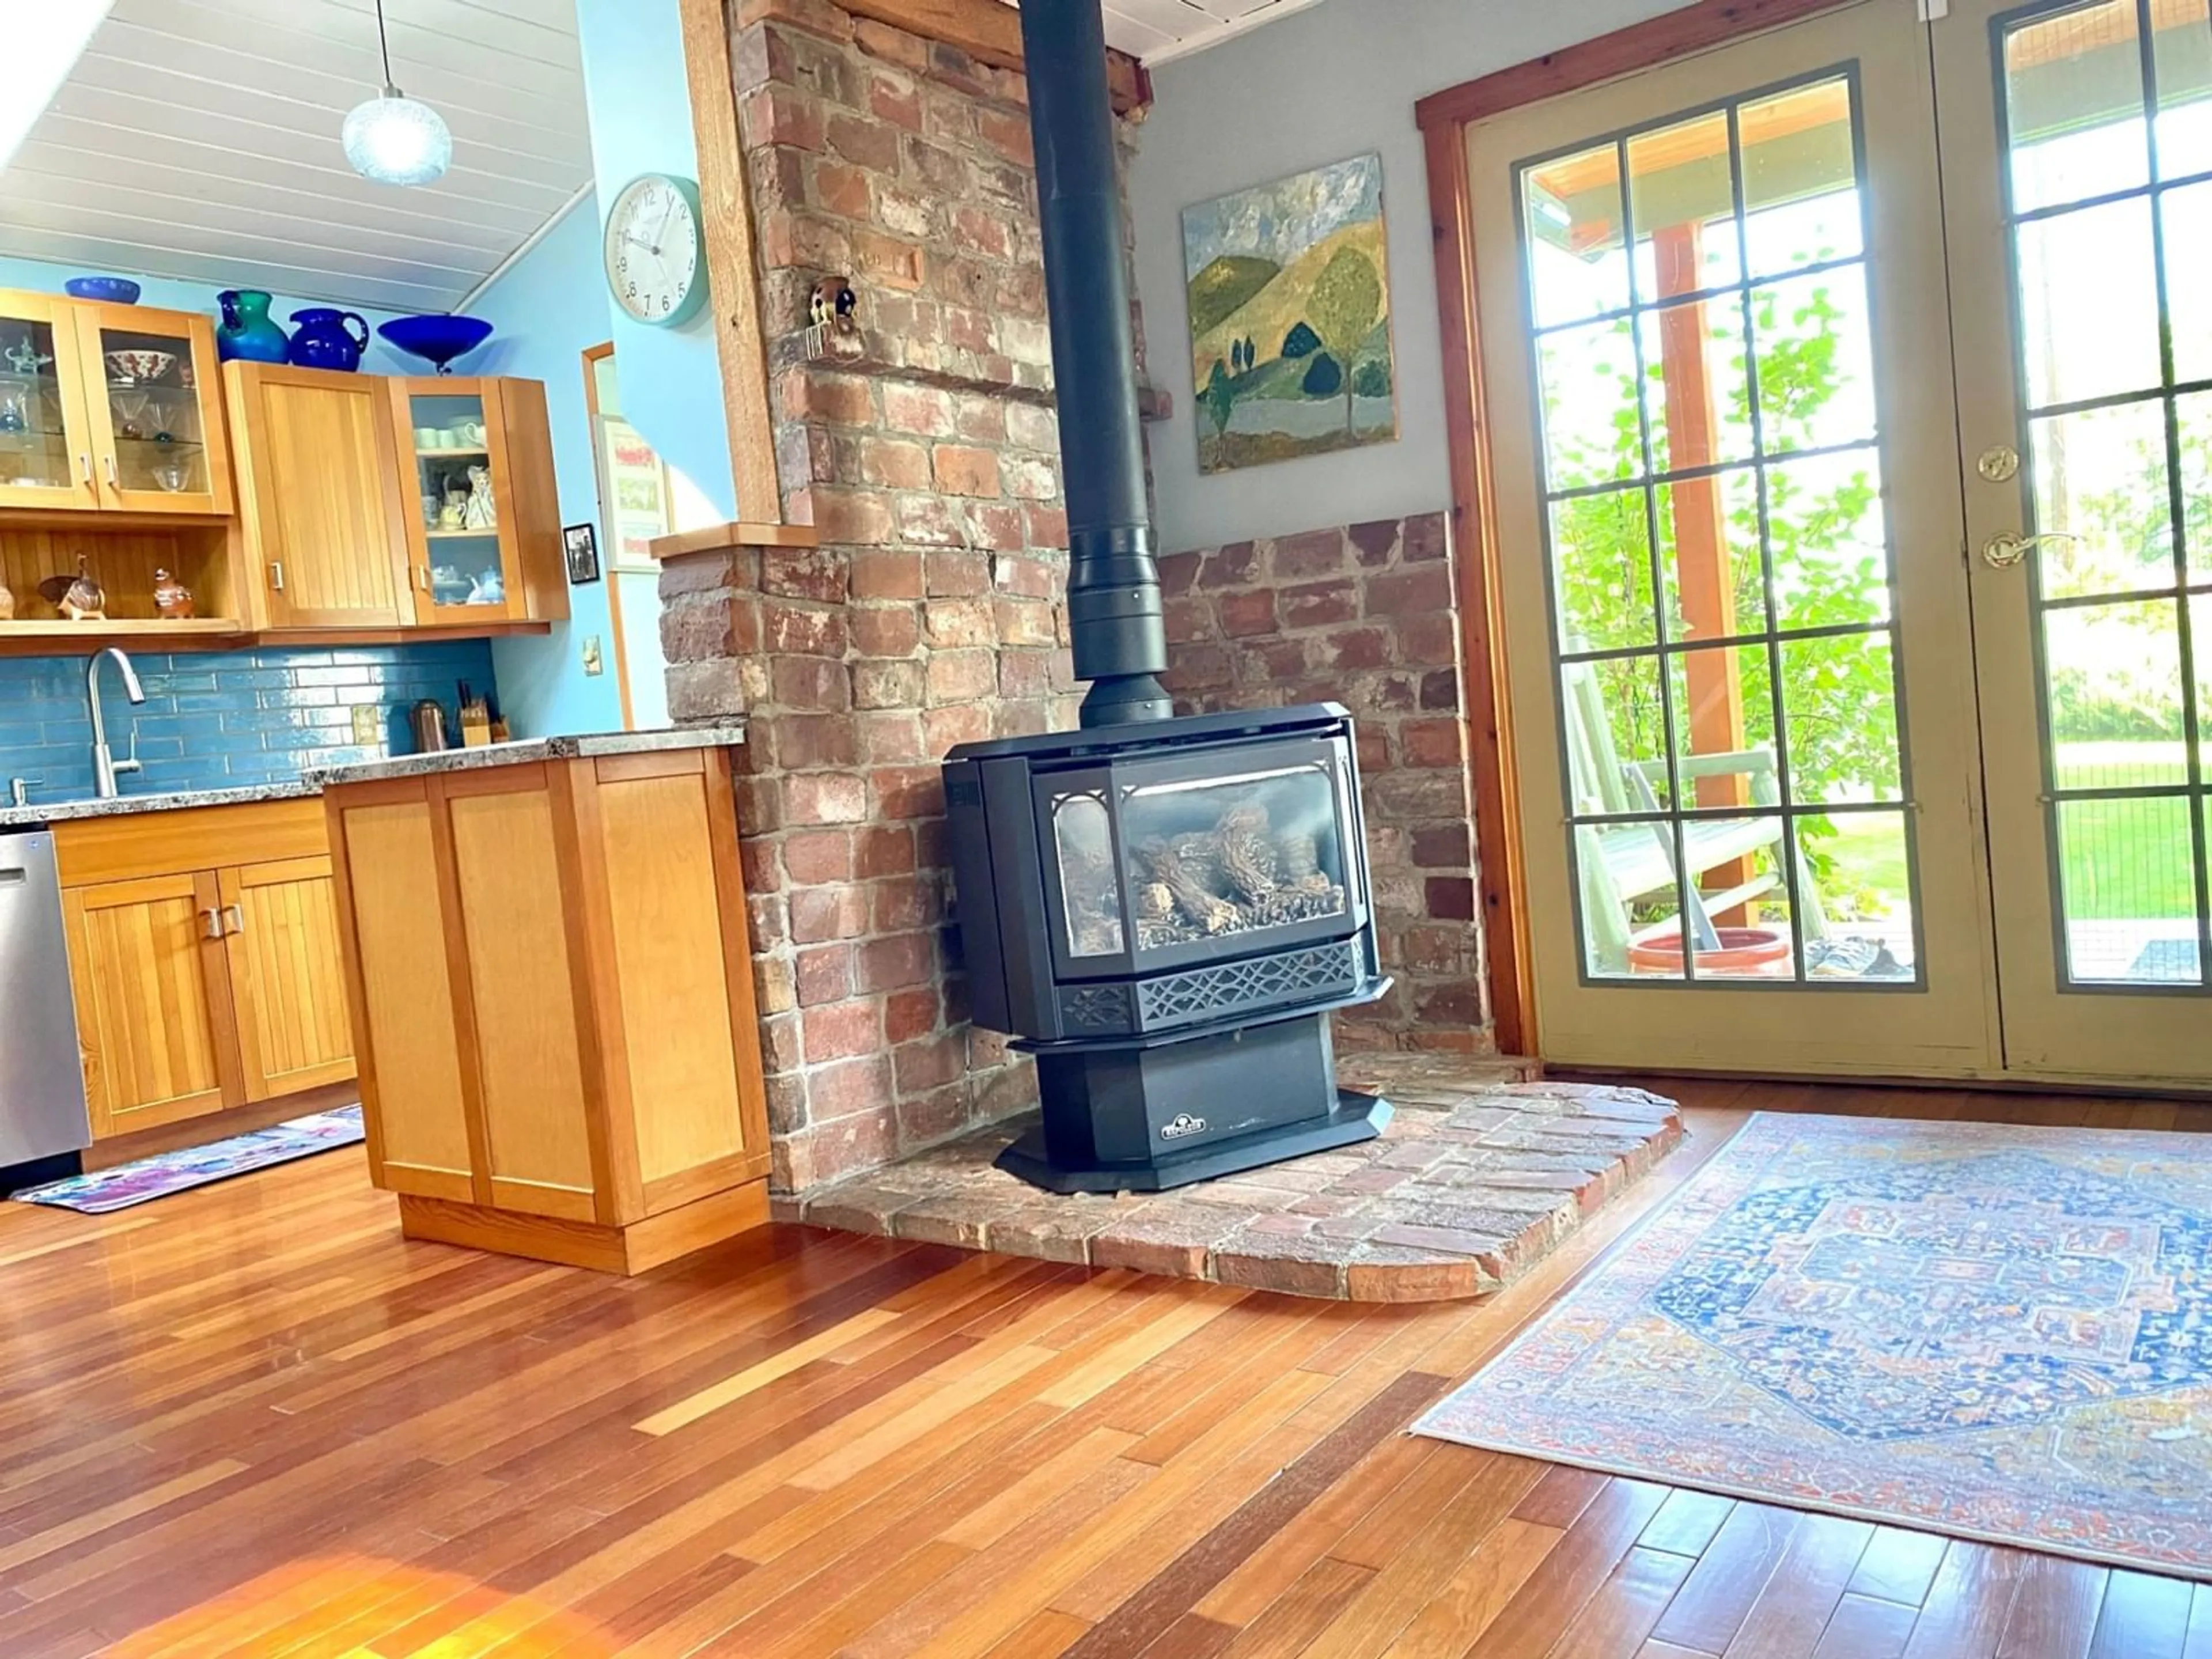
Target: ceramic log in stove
[1161, 910]
[1163, 915]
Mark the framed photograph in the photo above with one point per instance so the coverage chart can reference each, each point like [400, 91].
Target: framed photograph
[580, 542]
[1290, 318]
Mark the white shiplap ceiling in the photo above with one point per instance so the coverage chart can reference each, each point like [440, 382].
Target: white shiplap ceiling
[1157, 30]
[199, 139]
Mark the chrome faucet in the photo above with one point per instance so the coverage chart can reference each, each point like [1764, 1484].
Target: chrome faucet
[105, 767]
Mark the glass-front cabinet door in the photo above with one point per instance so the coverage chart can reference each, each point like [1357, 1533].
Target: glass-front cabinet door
[155, 399]
[461, 506]
[46, 441]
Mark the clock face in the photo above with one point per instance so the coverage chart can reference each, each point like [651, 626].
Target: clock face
[653, 250]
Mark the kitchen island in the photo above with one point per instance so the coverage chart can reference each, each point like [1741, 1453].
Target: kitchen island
[551, 981]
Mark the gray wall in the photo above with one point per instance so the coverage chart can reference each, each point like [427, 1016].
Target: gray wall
[1323, 84]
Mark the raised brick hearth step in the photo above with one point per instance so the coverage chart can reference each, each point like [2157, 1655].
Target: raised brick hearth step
[1480, 1177]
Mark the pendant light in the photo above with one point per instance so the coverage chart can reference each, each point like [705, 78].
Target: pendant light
[392, 139]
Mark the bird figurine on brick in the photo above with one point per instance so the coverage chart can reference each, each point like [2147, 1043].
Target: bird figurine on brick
[78, 598]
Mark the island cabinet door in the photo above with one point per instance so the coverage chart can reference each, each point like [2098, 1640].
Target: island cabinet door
[286, 980]
[399, 990]
[154, 1013]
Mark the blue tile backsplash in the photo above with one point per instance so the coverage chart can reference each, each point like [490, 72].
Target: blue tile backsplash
[217, 719]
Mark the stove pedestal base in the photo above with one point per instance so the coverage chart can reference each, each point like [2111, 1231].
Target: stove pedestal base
[1145, 1114]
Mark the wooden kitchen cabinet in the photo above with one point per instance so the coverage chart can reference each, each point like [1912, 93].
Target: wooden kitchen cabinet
[319, 503]
[552, 997]
[482, 512]
[287, 982]
[110, 409]
[153, 998]
[204, 956]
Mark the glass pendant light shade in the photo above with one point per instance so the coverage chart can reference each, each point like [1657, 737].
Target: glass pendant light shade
[391, 139]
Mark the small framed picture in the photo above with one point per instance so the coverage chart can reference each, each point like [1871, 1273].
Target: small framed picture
[580, 542]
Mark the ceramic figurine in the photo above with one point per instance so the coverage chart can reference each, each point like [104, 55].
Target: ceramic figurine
[6, 603]
[24, 358]
[455, 509]
[489, 588]
[482, 512]
[172, 599]
[79, 598]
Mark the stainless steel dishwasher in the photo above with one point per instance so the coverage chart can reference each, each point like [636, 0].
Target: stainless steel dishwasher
[42, 1120]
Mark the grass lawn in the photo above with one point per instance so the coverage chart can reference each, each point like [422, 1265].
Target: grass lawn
[2125, 860]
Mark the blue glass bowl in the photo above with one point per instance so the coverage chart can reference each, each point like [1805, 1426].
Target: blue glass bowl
[116, 290]
[436, 339]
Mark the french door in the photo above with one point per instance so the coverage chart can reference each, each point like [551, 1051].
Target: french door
[1849, 400]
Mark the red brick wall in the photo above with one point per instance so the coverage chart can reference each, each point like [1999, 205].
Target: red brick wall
[1363, 615]
[931, 614]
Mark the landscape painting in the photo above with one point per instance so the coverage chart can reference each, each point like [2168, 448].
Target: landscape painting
[1290, 318]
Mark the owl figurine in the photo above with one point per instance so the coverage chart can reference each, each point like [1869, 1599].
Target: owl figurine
[79, 598]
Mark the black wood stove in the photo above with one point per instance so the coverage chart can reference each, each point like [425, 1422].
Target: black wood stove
[1163, 911]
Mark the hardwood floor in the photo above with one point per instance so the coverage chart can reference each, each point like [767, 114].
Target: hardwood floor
[252, 1420]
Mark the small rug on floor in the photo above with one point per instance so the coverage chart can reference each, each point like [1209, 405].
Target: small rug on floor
[149, 1178]
[1999, 1334]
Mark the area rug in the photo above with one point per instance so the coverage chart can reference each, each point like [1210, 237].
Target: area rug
[149, 1178]
[1998, 1333]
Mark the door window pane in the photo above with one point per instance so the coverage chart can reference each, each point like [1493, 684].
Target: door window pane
[1695, 390]
[1572, 210]
[1682, 198]
[1815, 361]
[2099, 482]
[2181, 54]
[1616, 735]
[1723, 709]
[2089, 303]
[2074, 106]
[2114, 677]
[1709, 558]
[1601, 558]
[33, 447]
[1801, 179]
[1630, 895]
[1839, 694]
[1591, 431]
[1829, 540]
[2193, 423]
[2127, 875]
[1860, 866]
[2185, 222]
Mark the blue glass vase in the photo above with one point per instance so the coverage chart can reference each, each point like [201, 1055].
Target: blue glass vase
[248, 330]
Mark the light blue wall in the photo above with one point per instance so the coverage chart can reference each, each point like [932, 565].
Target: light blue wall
[546, 308]
[640, 109]
[1335, 80]
[170, 294]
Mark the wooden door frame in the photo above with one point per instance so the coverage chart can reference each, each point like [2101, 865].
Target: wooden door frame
[592, 356]
[1443, 117]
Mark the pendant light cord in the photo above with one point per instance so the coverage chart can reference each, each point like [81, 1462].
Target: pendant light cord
[383, 44]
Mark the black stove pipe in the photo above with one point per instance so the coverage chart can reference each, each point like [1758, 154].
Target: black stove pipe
[1113, 581]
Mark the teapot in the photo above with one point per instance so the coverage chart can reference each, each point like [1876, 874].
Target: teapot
[323, 340]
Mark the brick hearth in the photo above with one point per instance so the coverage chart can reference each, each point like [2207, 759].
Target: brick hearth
[1478, 1178]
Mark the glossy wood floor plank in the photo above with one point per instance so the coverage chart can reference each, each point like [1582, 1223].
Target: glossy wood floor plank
[252, 1420]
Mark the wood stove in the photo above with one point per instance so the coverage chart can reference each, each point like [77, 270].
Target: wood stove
[1163, 914]
[1161, 910]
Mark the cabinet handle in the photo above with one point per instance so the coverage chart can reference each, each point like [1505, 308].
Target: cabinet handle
[276, 576]
[211, 924]
[113, 482]
[422, 577]
[235, 919]
[84, 466]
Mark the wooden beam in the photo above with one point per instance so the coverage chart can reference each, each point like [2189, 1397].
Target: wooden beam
[990, 32]
[732, 268]
[1672, 34]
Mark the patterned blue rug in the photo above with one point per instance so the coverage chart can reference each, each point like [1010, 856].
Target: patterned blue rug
[1999, 1334]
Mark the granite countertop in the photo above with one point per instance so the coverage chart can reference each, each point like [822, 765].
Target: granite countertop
[61, 812]
[524, 750]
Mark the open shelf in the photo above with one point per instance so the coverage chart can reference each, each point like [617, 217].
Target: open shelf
[463, 535]
[54, 637]
[440, 454]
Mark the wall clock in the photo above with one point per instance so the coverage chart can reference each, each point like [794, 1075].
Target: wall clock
[653, 250]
